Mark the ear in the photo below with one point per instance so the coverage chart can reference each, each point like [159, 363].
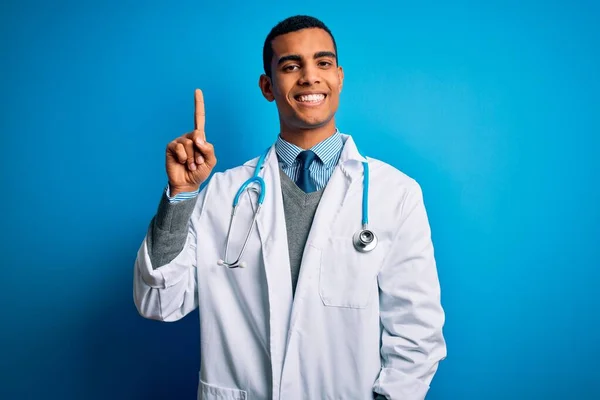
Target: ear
[341, 78]
[264, 83]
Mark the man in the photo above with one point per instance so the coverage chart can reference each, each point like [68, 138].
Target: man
[302, 314]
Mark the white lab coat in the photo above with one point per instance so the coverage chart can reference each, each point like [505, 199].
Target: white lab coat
[358, 322]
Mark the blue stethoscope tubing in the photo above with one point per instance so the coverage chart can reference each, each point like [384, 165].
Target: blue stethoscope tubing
[364, 240]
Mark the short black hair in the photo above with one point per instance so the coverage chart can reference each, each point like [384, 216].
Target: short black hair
[291, 24]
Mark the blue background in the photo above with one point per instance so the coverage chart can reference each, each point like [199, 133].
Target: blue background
[493, 108]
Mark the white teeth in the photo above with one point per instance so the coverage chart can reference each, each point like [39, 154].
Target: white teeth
[311, 98]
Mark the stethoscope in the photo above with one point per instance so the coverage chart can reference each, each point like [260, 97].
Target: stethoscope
[363, 240]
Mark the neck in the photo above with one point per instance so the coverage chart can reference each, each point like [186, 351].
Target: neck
[307, 138]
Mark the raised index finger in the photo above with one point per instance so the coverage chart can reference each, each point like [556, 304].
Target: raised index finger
[199, 111]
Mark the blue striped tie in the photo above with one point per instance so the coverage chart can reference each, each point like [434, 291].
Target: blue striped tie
[303, 181]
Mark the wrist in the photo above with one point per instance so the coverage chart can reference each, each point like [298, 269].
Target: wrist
[175, 190]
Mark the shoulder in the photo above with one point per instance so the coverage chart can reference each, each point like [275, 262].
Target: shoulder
[223, 185]
[234, 175]
[385, 175]
[395, 193]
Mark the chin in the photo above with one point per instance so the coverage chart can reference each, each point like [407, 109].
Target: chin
[306, 125]
[313, 122]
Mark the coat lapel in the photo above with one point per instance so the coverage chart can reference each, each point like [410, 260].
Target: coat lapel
[273, 236]
[347, 179]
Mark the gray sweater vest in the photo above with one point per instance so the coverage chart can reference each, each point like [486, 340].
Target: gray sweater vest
[299, 209]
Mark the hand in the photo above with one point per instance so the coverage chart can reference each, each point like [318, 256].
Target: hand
[190, 159]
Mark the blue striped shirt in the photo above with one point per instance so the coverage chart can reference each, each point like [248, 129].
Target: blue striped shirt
[328, 154]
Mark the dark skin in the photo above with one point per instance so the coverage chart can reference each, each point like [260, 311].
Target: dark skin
[304, 63]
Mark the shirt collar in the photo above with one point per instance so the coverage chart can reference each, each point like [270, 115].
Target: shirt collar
[328, 150]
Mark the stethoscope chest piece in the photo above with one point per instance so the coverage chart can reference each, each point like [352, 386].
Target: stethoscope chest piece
[364, 240]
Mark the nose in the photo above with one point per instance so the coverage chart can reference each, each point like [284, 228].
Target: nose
[310, 76]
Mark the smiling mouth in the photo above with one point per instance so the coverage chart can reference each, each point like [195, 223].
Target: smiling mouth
[310, 99]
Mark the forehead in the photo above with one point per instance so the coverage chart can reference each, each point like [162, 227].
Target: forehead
[304, 42]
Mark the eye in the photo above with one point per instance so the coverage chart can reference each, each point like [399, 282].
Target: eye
[290, 67]
[325, 64]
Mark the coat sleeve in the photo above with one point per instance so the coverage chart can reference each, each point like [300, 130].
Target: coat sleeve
[412, 343]
[165, 279]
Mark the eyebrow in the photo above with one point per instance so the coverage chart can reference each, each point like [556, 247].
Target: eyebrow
[295, 57]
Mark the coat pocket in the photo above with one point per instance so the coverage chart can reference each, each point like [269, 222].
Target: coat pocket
[212, 392]
[347, 278]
